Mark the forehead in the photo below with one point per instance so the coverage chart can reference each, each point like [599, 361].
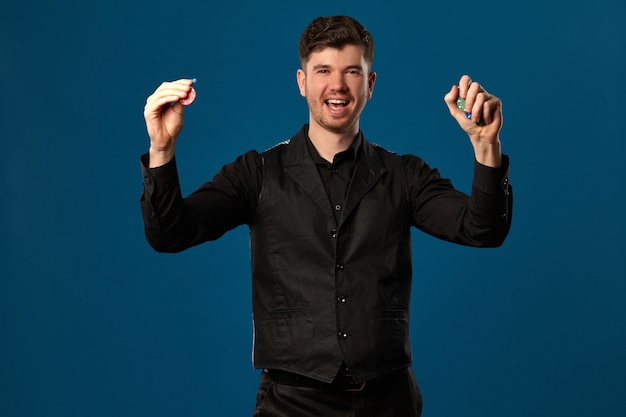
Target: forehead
[348, 55]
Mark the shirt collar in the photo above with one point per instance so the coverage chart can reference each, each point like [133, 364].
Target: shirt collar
[351, 152]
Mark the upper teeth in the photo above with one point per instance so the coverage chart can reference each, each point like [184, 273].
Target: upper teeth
[333, 101]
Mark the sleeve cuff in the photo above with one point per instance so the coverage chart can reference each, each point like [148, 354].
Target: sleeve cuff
[165, 175]
[492, 180]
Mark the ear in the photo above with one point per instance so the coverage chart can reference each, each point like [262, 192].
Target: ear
[301, 78]
[370, 83]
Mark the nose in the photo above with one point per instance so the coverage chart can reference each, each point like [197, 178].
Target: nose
[337, 81]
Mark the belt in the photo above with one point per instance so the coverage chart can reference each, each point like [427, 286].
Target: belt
[343, 381]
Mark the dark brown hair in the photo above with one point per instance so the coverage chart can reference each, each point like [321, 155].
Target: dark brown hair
[335, 32]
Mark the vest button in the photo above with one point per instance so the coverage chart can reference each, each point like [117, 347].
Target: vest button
[333, 233]
[339, 267]
[343, 335]
[342, 299]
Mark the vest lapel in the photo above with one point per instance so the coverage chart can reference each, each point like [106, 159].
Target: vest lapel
[300, 167]
[368, 171]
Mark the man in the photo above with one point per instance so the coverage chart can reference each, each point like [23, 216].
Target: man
[330, 216]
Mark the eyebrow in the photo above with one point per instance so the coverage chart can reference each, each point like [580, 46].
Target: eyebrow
[326, 66]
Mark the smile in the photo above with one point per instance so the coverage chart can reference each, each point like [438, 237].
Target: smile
[336, 103]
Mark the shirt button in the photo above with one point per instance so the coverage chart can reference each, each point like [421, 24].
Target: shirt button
[339, 267]
[504, 215]
[147, 179]
[343, 335]
[505, 182]
[342, 300]
[333, 233]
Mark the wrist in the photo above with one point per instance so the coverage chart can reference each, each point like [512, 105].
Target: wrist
[159, 157]
[489, 154]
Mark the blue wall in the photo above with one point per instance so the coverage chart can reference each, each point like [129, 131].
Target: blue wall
[94, 323]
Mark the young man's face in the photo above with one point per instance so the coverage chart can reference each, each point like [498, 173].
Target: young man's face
[336, 83]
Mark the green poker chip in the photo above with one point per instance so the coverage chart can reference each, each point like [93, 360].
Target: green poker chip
[460, 103]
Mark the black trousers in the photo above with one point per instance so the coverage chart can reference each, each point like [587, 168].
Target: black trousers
[396, 395]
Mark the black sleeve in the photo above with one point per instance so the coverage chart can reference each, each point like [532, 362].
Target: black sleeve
[173, 223]
[480, 219]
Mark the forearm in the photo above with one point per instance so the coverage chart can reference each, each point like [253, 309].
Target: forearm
[489, 154]
[481, 219]
[490, 206]
[173, 223]
[162, 207]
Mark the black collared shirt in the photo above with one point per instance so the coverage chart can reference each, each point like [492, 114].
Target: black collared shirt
[336, 175]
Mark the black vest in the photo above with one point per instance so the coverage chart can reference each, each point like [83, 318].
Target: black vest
[326, 292]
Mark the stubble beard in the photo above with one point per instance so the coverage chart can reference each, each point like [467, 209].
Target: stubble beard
[335, 125]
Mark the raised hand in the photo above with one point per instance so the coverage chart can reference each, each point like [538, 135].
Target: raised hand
[163, 114]
[484, 126]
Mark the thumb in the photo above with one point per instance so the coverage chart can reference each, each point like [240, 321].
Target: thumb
[450, 99]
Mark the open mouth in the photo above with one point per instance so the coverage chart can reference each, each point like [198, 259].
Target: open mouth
[336, 103]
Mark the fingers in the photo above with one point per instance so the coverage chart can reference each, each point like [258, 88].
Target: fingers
[461, 116]
[166, 94]
[464, 84]
[482, 105]
[163, 110]
[163, 114]
[481, 116]
[450, 99]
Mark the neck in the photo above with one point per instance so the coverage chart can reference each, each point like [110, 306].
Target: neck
[328, 144]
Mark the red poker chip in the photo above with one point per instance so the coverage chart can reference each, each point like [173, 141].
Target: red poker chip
[190, 98]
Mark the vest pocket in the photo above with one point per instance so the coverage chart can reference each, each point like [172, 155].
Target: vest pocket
[392, 336]
[283, 334]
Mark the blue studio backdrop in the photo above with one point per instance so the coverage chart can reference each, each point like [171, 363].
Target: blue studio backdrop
[94, 323]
